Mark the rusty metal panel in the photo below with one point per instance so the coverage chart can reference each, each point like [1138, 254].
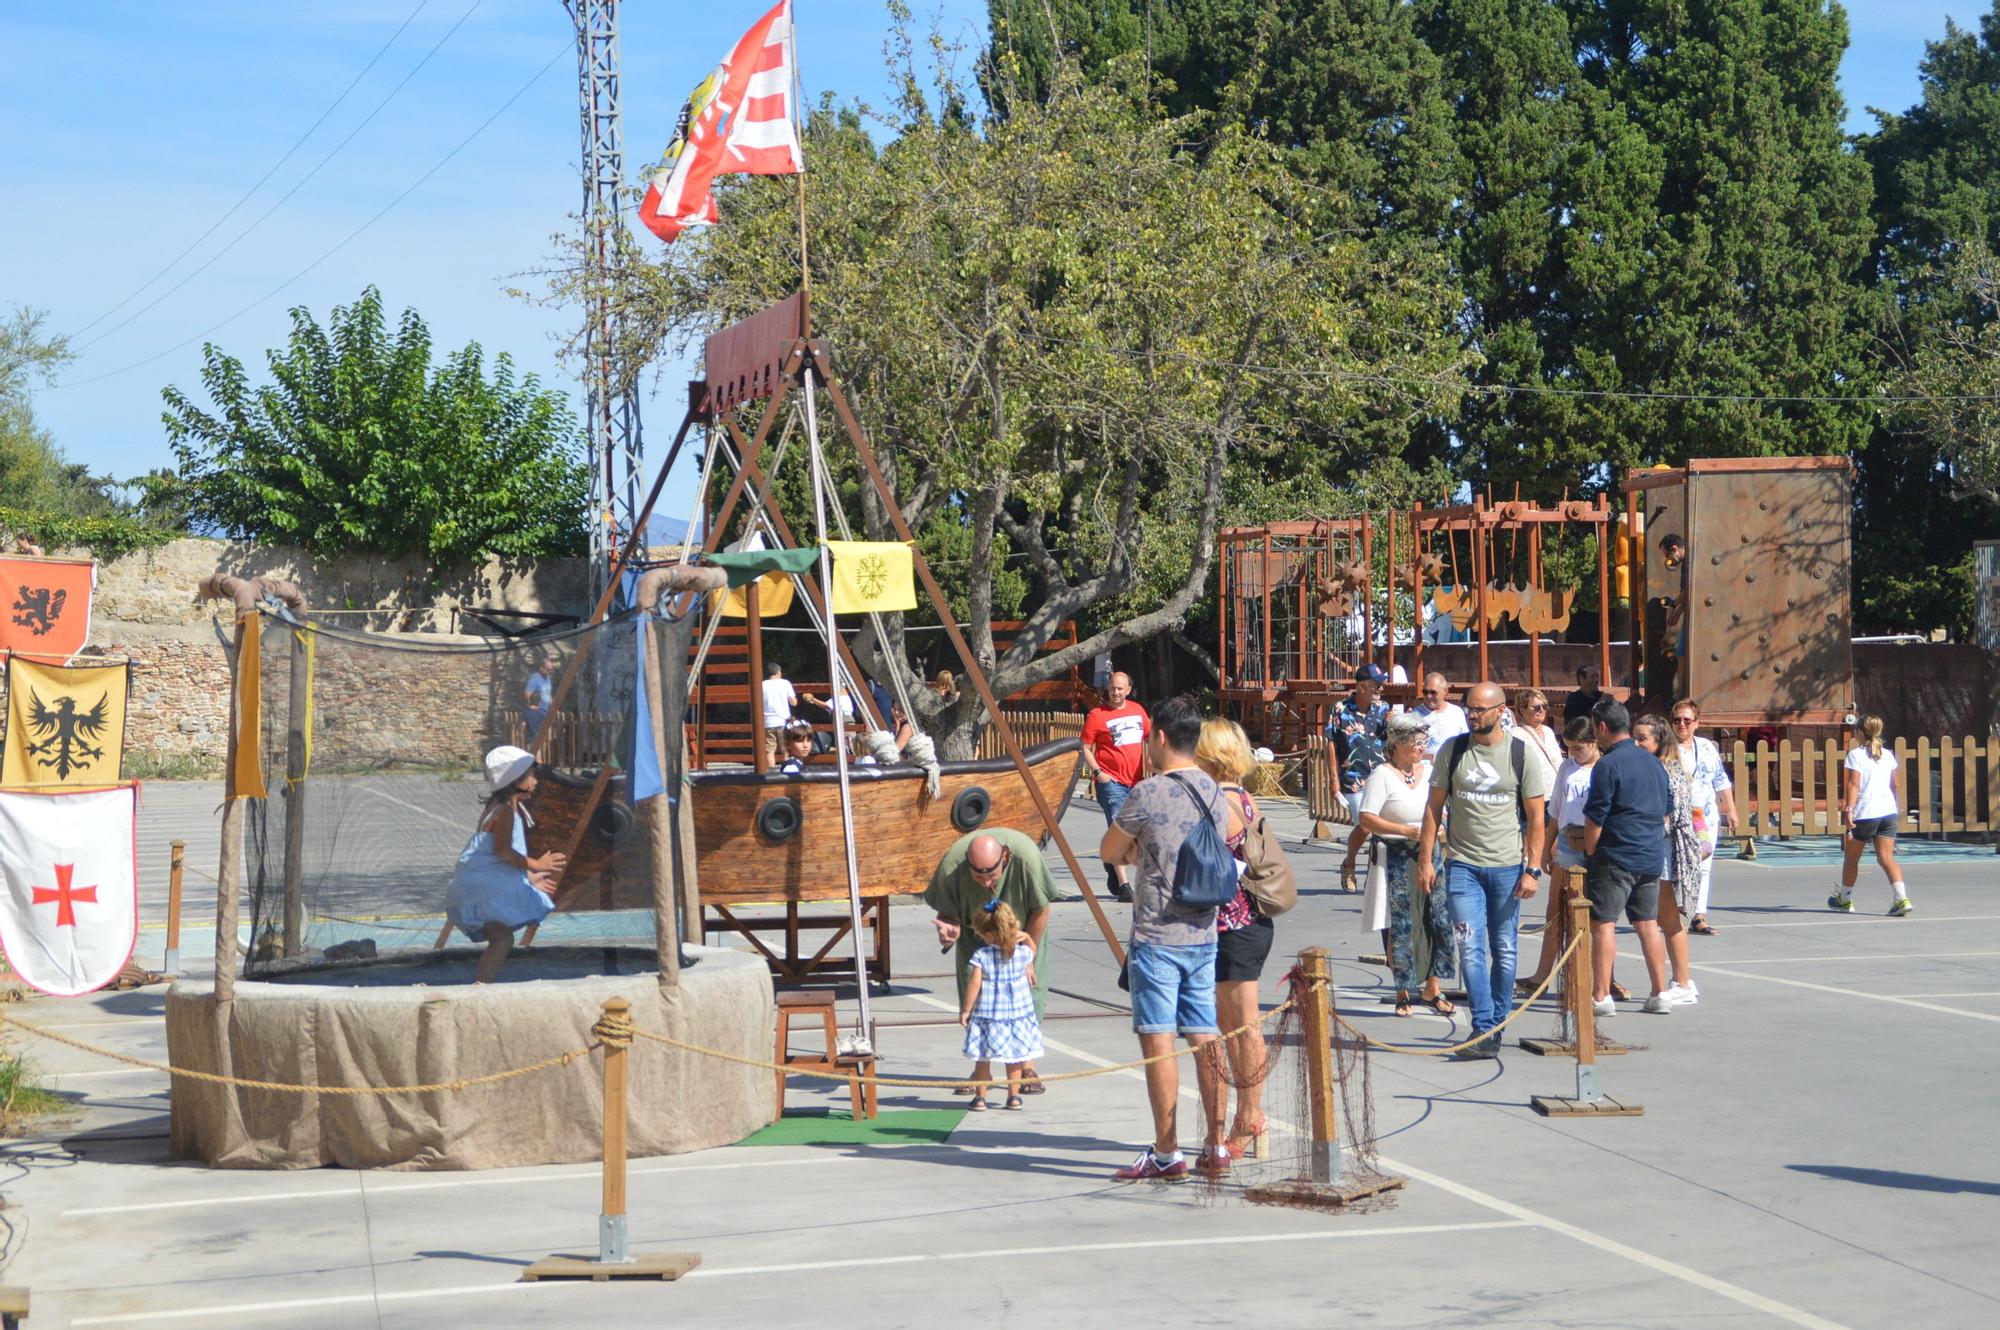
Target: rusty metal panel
[1770, 630]
[745, 361]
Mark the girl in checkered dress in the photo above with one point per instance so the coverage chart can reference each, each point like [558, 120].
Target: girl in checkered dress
[999, 1010]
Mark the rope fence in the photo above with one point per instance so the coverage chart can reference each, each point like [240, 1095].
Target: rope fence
[1520, 1009]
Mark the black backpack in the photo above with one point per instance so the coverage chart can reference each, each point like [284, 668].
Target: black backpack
[1205, 876]
[1518, 753]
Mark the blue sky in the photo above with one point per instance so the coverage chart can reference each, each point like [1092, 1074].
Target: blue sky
[132, 127]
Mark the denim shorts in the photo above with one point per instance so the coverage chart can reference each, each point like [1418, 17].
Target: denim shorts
[1868, 829]
[1111, 797]
[1173, 988]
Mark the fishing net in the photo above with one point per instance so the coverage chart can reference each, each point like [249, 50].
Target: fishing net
[372, 750]
[1280, 1076]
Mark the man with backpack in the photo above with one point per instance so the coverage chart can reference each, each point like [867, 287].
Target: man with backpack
[1488, 793]
[1172, 830]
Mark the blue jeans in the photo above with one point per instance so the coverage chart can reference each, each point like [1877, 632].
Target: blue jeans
[1111, 797]
[1486, 916]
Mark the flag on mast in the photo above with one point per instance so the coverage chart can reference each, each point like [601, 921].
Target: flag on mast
[740, 120]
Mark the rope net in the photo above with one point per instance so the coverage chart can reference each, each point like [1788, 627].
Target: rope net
[372, 749]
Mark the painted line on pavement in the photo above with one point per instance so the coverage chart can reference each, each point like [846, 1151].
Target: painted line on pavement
[801, 1267]
[1845, 992]
[1672, 1269]
[592, 1174]
[405, 804]
[1855, 956]
[1879, 920]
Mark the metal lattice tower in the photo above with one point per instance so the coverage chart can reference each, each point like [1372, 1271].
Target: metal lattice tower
[612, 410]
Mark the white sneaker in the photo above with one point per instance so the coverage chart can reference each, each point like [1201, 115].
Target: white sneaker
[1660, 1004]
[1604, 1007]
[1682, 996]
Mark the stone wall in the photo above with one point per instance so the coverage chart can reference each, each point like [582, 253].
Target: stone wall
[146, 609]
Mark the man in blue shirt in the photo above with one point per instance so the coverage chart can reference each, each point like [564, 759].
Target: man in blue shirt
[1625, 851]
[1357, 730]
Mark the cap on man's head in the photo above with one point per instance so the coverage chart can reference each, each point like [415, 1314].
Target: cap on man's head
[1371, 673]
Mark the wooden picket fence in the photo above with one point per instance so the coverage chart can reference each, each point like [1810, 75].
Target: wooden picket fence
[1033, 726]
[1948, 786]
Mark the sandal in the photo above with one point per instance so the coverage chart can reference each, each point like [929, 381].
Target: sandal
[1702, 926]
[1440, 1004]
[1013, 1101]
[1619, 992]
[1243, 1144]
[1032, 1084]
[963, 1090]
[978, 1104]
[1402, 1004]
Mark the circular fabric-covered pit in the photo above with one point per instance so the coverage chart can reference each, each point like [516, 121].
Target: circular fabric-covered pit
[423, 1021]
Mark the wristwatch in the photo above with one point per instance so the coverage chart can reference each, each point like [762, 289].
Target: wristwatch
[1534, 873]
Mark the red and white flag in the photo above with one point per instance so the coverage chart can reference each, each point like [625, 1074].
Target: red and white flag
[69, 886]
[740, 120]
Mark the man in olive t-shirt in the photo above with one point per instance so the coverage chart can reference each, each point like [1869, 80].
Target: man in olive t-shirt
[1487, 792]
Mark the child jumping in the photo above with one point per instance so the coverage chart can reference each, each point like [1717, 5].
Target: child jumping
[999, 1010]
[498, 887]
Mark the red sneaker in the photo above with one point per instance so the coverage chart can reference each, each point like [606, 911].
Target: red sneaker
[1213, 1162]
[1149, 1167]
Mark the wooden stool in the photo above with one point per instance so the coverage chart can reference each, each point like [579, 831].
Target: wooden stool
[859, 1067]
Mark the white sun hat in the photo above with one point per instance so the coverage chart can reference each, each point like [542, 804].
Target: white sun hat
[507, 764]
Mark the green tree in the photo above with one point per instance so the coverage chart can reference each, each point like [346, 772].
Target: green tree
[31, 466]
[1930, 477]
[1061, 327]
[359, 443]
[1747, 280]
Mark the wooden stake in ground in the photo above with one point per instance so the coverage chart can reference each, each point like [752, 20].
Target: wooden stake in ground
[1590, 1100]
[176, 866]
[614, 1256]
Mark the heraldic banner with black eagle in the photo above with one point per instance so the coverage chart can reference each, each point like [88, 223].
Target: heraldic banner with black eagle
[65, 724]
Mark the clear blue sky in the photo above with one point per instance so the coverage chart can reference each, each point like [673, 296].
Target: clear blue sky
[133, 126]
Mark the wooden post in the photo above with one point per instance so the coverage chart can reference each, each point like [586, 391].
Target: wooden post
[176, 865]
[1316, 1033]
[614, 1255]
[754, 632]
[1604, 592]
[659, 811]
[1368, 590]
[298, 715]
[1390, 564]
[229, 861]
[1482, 570]
[1590, 1100]
[1417, 604]
[611, 1241]
[1534, 588]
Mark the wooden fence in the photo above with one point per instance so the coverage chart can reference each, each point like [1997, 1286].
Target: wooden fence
[1032, 726]
[1948, 786]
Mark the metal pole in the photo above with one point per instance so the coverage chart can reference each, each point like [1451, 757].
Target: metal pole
[861, 1042]
[176, 865]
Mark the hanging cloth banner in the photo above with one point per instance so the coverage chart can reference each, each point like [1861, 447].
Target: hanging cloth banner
[246, 777]
[45, 605]
[747, 565]
[774, 598]
[647, 782]
[871, 577]
[65, 723]
[69, 886]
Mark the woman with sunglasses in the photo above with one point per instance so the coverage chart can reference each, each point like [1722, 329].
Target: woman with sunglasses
[1715, 798]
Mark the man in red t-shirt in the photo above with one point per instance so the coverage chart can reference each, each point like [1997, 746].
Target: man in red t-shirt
[1114, 748]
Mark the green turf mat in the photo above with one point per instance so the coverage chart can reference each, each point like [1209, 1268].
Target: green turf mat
[823, 1126]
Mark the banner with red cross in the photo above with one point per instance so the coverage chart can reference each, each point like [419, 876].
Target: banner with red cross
[69, 886]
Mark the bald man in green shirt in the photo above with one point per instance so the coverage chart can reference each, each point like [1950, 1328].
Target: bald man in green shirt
[979, 866]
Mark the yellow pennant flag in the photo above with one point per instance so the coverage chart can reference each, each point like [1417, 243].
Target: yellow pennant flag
[871, 577]
[65, 724]
[246, 779]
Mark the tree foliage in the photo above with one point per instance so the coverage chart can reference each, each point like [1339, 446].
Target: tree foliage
[1061, 327]
[359, 443]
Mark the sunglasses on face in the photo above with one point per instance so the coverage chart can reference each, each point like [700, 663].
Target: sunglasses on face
[977, 871]
[1684, 720]
[1538, 706]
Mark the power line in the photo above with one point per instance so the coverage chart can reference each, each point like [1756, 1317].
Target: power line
[296, 145]
[519, 93]
[286, 197]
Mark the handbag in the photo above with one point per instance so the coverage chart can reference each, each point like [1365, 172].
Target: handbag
[1205, 876]
[1267, 874]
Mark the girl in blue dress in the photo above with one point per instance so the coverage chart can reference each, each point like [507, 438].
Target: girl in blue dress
[999, 1010]
[497, 887]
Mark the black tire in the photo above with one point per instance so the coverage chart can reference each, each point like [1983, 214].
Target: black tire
[611, 823]
[970, 809]
[778, 820]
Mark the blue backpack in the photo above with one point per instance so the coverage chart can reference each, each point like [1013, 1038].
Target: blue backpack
[1205, 873]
